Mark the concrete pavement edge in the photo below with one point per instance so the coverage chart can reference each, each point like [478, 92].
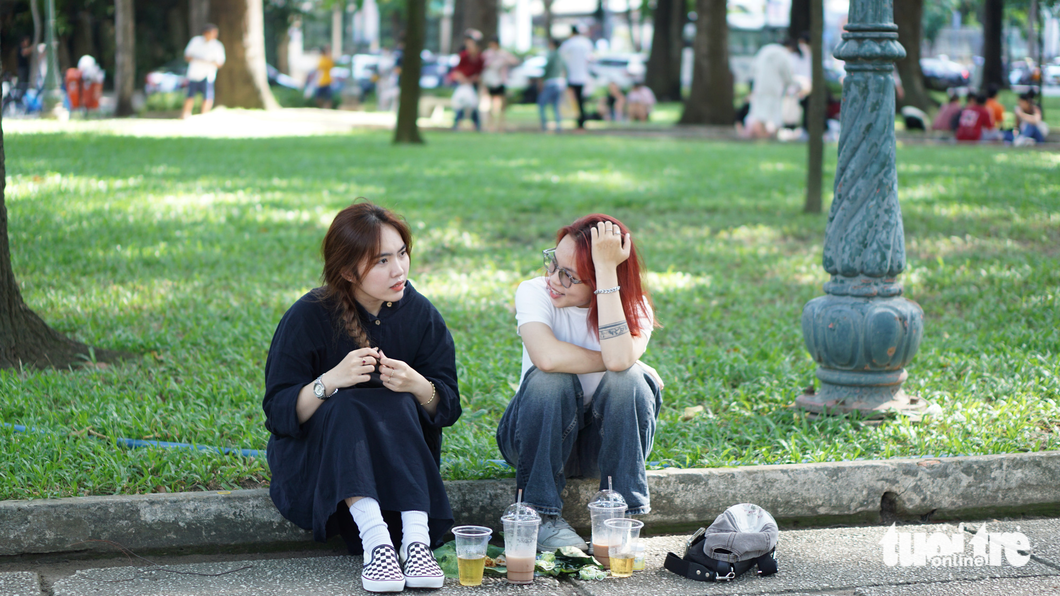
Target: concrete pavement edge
[971, 487]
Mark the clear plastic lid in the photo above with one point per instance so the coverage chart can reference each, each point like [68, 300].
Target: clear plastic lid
[608, 499]
[521, 512]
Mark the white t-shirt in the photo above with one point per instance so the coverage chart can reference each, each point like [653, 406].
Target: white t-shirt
[575, 53]
[204, 55]
[570, 324]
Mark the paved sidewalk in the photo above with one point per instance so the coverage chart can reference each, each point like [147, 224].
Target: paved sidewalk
[824, 561]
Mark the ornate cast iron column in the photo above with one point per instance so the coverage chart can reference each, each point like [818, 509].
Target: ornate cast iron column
[863, 333]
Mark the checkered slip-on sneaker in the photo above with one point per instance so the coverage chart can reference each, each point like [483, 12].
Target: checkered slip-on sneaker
[420, 568]
[383, 573]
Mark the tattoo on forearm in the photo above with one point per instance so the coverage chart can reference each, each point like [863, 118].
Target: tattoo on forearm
[613, 330]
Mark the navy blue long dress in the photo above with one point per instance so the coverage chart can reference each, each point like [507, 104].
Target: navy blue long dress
[363, 441]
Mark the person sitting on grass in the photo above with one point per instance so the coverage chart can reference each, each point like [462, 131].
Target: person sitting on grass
[641, 101]
[613, 105]
[586, 404]
[359, 382]
[947, 114]
[1029, 121]
[974, 120]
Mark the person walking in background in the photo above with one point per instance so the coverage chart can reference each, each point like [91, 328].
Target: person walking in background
[25, 61]
[323, 78]
[947, 114]
[204, 54]
[496, 61]
[641, 101]
[576, 52]
[772, 75]
[469, 72]
[586, 404]
[552, 85]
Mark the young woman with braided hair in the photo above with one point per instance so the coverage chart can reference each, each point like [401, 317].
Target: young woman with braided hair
[359, 382]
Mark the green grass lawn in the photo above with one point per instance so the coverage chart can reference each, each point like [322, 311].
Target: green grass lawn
[186, 252]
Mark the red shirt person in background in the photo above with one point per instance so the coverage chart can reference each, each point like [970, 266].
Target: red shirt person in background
[974, 119]
[468, 71]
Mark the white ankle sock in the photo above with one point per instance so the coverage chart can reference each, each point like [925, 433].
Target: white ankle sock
[414, 529]
[369, 520]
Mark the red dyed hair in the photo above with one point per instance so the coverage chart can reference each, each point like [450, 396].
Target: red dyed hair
[634, 294]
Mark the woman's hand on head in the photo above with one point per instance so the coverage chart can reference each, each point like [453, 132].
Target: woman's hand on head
[354, 369]
[610, 246]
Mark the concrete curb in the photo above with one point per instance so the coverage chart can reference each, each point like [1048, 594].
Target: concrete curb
[799, 494]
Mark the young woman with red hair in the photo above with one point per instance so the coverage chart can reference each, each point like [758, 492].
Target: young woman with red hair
[586, 405]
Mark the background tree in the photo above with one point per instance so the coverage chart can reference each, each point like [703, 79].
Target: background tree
[993, 23]
[711, 97]
[198, 16]
[663, 74]
[799, 22]
[124, 56]
[25, 339]
[242, 82]
[816, 107]
[474, 14]
[407, 131]
[908, 15]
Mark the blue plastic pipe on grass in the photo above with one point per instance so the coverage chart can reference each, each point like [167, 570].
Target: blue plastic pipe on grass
[135, 443]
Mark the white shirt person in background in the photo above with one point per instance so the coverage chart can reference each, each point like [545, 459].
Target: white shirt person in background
[576, 52]
[204, 54]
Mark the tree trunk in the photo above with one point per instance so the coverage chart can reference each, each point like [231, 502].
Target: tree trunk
[711, 97]
[198, 13]
[242, 81]
[908, 15]
[799, 22]
[282, 51]
[84, 36]
[459, 24]
[406, 130]
[483, 15]
[547, 4]
[634, 38]
[663, 75]
[25, 339]
[338, 22]
[815, 119]
[34, 62]
[993, 17]
[124, 56]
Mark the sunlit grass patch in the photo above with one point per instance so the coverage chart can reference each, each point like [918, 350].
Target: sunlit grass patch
[188, 251]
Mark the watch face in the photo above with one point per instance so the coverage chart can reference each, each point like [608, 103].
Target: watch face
[318, 389]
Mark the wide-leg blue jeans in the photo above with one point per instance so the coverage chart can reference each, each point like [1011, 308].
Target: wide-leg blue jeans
[549, 433]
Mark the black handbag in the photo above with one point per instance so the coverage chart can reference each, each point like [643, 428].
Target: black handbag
[740, 539]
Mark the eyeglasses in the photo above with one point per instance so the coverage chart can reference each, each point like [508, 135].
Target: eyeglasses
[551, 266]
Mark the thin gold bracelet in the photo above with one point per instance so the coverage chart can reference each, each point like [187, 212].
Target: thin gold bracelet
[434, 394]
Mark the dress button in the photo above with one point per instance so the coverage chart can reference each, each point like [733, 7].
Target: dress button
[389, 304]
[378, 322]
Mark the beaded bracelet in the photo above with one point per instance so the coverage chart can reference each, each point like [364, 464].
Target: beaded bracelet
[434, 394]
[608, 290]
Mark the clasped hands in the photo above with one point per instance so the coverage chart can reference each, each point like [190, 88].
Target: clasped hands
[358, 365]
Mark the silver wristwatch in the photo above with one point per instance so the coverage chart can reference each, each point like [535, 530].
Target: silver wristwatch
[320, 390]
